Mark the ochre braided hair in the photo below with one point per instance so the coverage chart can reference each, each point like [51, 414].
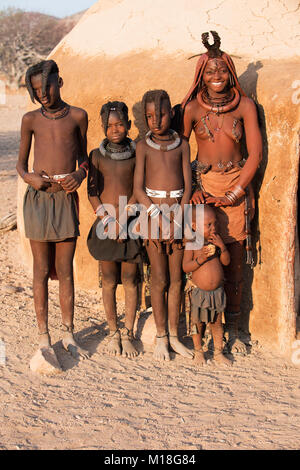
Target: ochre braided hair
[119, 107]
[213, 51]
[45, 68]
[156, 97]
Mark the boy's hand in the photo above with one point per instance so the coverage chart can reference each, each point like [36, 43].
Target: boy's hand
[216, 240]
[71, 182]
[37, 181]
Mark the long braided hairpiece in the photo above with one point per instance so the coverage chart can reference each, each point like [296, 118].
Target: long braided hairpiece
[119, 107]
[45, 68]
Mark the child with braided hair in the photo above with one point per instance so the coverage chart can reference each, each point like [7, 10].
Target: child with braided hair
[111, 169]
[163, 176]
[51, 202]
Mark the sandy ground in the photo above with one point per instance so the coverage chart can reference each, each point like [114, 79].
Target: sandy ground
[113, 403]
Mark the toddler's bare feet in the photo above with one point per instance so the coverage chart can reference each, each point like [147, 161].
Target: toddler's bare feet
[128, 349]
[44, 340]
[221, 359]
[161, 351]
[178, 347]
[113, 348]
[199, 359]
[72, 346]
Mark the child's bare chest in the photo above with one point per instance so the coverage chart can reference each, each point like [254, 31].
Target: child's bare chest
[117, 169]
[48, 130]
[164, 161]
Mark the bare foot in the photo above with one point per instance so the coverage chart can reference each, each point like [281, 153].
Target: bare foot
[221, 359]
[236, 346]
[128, 349]
[199, 359]
[161, 351]
[44, 340]
[72, 347]
[113, 348]
[180, 348]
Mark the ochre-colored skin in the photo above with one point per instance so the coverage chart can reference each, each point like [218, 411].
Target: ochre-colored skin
[166, 171]
[115, 179]
[225, 149]
[209, 276]
[58, 145]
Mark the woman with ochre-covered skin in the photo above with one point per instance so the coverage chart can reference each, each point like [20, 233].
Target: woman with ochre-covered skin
[218, 112]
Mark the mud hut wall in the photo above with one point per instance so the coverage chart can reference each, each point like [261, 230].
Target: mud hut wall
[273, 289]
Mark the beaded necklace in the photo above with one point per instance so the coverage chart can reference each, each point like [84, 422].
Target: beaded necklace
[65, 110]
[219, 107]
[164, 148]
[117, 151]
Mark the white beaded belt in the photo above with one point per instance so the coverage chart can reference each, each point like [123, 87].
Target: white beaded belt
[56, 177]
[163, 194]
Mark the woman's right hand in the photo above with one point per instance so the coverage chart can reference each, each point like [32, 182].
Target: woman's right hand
[199, 197]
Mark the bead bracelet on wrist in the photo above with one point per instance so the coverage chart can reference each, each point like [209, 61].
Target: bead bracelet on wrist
[199, 264]
[85, 167]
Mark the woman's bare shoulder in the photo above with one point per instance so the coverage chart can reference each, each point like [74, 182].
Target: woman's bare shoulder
[247, 105]
[192, 106]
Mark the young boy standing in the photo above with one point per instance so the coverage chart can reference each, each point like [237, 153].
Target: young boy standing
[163, 176]
[51, 202]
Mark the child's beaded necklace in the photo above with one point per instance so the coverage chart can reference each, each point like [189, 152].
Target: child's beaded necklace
[63, 112]
[164, 148]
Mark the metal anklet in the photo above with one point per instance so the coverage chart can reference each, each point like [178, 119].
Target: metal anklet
[126, 332]
[111, 335]
[67, 328]
[164, 336]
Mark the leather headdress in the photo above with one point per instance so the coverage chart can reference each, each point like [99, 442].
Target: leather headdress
[213, 51]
